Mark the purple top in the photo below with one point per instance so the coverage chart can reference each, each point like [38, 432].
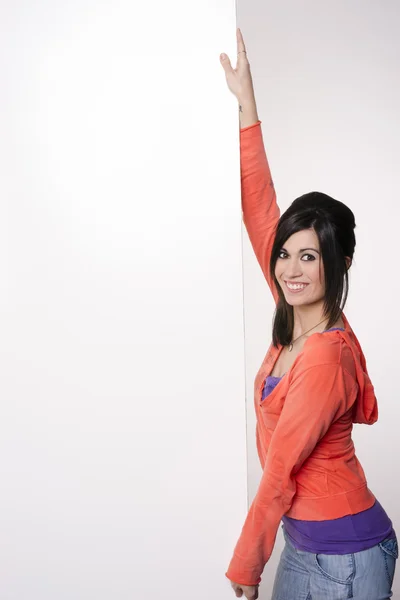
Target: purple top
[352, 533]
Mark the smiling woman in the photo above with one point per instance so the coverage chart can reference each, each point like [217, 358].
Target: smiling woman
[298, 268]
[311, 387]
[310, 257]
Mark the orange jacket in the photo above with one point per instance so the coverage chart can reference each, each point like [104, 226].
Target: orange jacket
[310, 470]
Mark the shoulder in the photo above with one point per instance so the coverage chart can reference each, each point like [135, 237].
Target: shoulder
[329, 348]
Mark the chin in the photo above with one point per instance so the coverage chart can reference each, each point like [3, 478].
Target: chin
[297, 302]
[293, 301]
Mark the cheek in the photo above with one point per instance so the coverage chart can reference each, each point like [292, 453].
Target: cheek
[278, 270]
[318, 278]
[316, 273]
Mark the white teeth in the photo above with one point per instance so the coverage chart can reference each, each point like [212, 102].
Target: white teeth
[296, 286]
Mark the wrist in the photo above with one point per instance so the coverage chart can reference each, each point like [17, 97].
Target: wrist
[247, 114]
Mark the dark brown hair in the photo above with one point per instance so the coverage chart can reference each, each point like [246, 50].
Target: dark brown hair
[334, 224]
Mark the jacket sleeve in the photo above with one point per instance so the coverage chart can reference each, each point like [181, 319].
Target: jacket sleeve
[317, 396]
[260, 210]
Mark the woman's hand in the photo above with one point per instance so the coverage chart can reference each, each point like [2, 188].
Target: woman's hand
[240, 83]
[239, 80]
[250, 591]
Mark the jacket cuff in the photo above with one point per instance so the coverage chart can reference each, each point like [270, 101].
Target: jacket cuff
[239, 576]
[250, 127]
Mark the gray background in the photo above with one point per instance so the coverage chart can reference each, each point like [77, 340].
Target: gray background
[326, 77]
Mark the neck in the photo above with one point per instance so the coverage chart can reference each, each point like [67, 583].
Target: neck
[306, 317]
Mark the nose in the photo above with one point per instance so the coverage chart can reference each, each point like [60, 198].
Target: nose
[292, 268]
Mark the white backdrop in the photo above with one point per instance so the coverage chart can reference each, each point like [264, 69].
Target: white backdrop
[122, 426]
[328, 95]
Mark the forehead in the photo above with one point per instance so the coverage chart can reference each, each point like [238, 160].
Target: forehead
[306, 238]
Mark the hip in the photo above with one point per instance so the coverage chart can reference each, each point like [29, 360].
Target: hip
[365, 575]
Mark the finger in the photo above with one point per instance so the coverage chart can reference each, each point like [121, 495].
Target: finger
[236, 589]
[226, 63]
[241, 48]
[251, 593]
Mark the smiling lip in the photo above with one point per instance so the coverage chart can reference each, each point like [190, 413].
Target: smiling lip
[295, 287]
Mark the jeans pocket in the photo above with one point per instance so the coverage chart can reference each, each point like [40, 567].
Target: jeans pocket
[390, 554]
[339, 568]
[390, 547]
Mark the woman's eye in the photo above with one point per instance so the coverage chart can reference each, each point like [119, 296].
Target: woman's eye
[307, 257]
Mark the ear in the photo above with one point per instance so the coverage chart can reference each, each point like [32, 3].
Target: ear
[348, 262]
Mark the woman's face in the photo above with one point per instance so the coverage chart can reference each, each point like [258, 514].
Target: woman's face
[299, 269]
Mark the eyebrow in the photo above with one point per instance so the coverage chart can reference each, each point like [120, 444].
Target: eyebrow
[303, 250]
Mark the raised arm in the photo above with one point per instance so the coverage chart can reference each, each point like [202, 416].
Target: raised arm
[260, 210]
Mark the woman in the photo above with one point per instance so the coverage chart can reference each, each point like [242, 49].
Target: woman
[312, 386]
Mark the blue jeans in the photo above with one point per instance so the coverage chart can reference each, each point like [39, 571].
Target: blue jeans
[366, 575]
